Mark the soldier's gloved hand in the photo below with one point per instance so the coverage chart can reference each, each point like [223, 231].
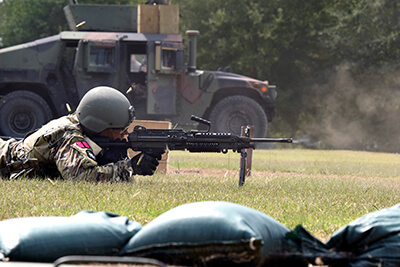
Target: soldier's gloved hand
[144, 164]
[156, 153]
[111, 155]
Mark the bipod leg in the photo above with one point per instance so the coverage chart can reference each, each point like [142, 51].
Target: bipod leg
[242, 174]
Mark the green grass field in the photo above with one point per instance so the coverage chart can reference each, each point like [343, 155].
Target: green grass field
[322, 190]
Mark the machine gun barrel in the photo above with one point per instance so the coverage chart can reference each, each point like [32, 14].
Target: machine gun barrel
[272, 140]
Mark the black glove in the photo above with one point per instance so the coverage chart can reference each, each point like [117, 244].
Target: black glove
[156, 153]
[111, 155]
[145, 163]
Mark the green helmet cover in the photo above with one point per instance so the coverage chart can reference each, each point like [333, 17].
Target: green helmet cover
[104, 107]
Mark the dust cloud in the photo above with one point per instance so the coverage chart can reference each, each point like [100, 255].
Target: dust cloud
[361, 113]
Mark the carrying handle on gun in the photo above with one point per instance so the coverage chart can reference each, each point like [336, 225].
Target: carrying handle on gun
[202, 121]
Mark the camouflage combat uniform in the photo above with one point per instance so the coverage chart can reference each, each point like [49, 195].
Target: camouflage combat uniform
[59, 148]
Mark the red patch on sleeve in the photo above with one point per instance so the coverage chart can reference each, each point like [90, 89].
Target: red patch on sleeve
[83, 144]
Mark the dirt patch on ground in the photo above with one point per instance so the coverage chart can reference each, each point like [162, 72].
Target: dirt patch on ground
[215, 172]
[263, 174]
[202, 172]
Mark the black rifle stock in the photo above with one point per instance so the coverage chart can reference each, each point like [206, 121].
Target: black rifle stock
[158, 140]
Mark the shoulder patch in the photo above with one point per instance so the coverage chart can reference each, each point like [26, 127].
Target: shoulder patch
[84, 149]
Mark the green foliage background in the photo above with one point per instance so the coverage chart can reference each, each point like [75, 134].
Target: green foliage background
[335, 63]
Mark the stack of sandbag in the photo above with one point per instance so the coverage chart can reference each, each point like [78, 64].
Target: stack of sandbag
[209, 233]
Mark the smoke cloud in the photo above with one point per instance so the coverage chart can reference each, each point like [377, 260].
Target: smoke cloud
[357, 113]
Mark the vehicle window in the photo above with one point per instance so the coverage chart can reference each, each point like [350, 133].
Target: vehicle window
[138, 63]
[101, 57]
[168, 58]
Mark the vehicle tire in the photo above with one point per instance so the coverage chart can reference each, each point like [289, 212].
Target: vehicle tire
[233, 112]
[22, 112]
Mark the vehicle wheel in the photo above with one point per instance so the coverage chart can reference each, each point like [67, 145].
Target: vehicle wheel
[233, 112]
[22, 112]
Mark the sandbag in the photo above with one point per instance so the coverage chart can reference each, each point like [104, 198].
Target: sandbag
[45, 239]
[371, 240]
[209, 233]
[311, 251]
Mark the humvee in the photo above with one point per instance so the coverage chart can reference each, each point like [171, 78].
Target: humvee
[116, 46]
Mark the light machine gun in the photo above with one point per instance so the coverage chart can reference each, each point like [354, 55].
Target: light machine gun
[158, 140]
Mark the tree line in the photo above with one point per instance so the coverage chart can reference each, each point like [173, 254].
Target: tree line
[335, 63]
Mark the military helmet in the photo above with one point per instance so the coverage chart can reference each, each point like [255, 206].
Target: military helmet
[104, 107]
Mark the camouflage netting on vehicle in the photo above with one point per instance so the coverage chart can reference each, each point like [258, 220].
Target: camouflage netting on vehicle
[209, 233]
[46, 239]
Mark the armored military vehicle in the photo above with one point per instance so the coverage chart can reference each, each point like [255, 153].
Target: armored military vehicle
[139, 51]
